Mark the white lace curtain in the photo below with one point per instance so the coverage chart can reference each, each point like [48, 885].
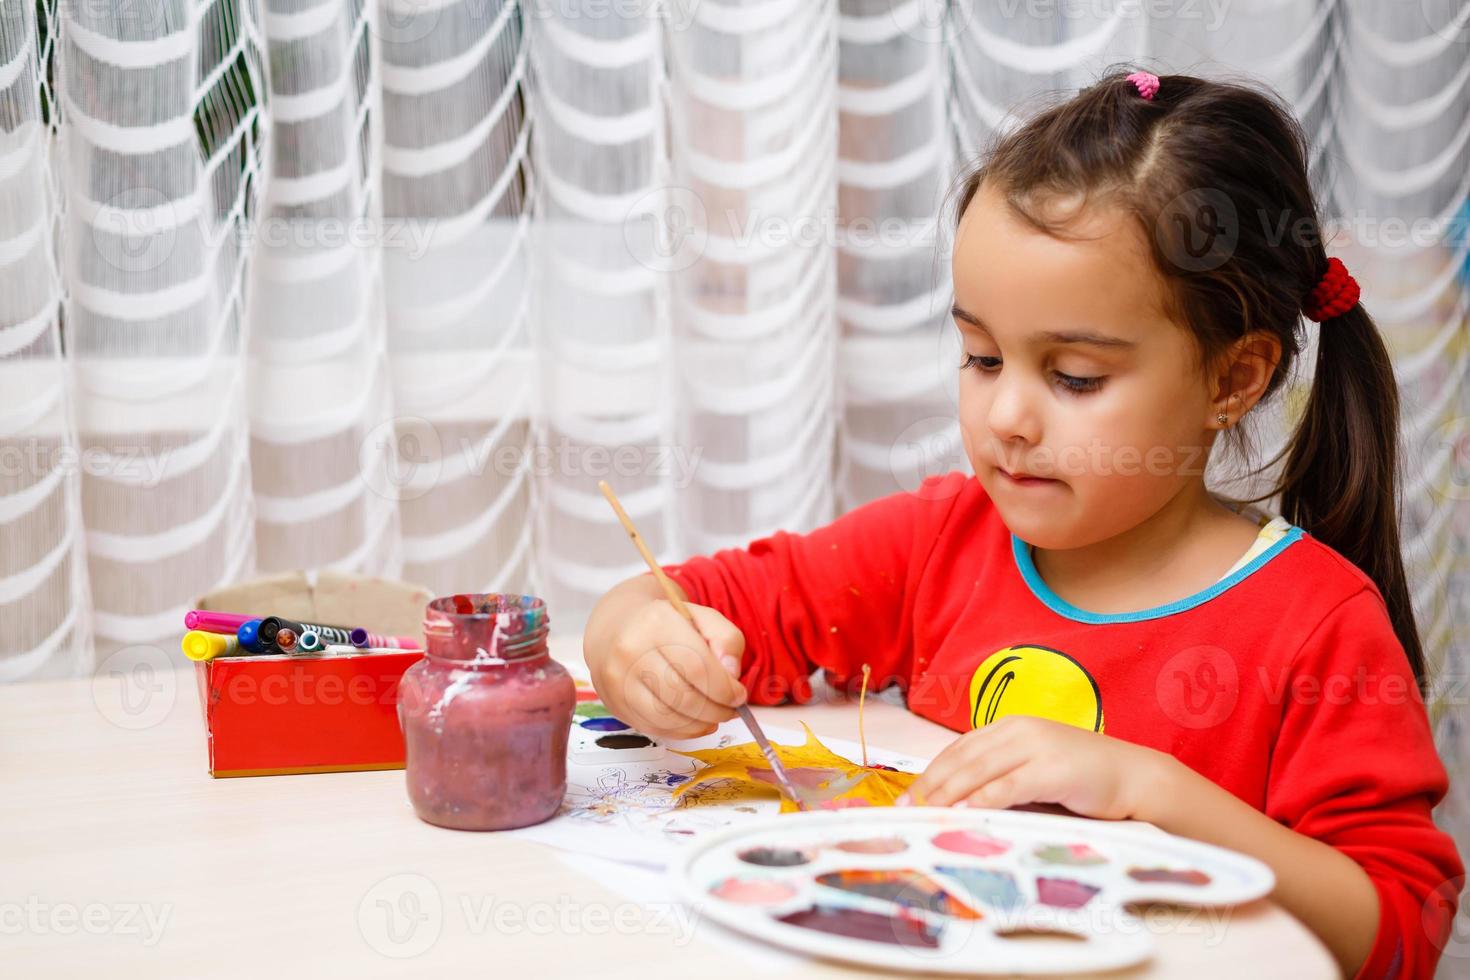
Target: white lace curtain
[388, 285]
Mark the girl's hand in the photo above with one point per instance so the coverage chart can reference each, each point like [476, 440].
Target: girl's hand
[664, 677]
[1021, 759]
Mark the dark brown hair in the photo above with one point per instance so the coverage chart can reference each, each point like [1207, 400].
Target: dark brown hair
[1215, 173]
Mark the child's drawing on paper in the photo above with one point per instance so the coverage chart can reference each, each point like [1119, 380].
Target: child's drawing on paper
[649, 798]
[637, 809]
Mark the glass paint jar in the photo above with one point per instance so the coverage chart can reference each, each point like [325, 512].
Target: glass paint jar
[486, 715]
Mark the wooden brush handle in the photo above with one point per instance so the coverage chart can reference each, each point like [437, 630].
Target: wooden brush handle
[663, 580]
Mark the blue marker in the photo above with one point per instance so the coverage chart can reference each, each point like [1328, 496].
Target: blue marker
[249, 636]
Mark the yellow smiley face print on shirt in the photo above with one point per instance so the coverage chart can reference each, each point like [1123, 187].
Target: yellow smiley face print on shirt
[1034, 680]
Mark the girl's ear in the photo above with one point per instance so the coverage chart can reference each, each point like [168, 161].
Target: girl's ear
[1241, 376]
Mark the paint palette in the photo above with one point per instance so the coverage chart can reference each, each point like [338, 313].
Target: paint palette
[957, 891]
[605, 740]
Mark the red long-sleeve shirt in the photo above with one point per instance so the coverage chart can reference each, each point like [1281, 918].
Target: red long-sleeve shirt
[1284, 682]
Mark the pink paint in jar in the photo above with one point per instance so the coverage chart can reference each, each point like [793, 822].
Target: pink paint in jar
[486, 715]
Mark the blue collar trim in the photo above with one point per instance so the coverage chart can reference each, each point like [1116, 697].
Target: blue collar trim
[1062, 607]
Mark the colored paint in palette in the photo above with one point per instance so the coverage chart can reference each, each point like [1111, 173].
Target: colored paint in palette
[952, 891]
[598, 738]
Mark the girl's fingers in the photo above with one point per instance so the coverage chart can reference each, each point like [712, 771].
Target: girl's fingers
[724, 638]
[680, 681]
[688, 660]
[978, 769]
[920, 792]
[1003, 791]
[658, 693]
[648, 714]
[1021, 785]
[676, 675]
[959, 755]
[699, 671]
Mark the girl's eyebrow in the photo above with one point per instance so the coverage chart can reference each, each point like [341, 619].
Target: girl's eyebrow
[1056, 336]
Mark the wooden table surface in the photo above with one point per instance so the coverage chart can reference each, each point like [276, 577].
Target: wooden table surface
[118, 851]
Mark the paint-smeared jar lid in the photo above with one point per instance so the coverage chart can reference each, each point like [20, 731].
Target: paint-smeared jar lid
[487, 626]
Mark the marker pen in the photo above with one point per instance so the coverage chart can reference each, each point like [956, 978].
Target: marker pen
[249, 636]
[202, 645]
[362, 638]
[208, 621]
[270, 625]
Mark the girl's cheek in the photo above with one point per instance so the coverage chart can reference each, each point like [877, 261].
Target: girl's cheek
[968, 441]
[972, 409]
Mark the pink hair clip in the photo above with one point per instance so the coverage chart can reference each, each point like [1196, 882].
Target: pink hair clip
[1147, 83]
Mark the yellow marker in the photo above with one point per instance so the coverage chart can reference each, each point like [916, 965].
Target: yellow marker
[199, 645]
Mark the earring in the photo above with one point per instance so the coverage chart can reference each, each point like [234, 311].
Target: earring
[1223, 420]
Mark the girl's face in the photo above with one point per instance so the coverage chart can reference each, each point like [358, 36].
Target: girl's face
[1072, 372]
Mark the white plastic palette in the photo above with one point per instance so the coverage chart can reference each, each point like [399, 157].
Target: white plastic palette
[605, 740]
[956, 891]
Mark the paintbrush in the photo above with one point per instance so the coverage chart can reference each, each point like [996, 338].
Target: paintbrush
[764, 744]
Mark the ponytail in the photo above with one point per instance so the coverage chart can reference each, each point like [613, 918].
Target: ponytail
[1340, 481]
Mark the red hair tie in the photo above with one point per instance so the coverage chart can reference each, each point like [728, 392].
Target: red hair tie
[1335, 294]
[1147, 83]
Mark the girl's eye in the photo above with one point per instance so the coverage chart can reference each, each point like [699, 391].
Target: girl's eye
[1078, 385]
[983, 363]
[1068, 382]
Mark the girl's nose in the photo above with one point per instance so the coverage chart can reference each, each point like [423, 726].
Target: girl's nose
[1012, 417]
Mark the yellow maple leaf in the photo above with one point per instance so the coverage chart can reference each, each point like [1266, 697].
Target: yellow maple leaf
[824, 779]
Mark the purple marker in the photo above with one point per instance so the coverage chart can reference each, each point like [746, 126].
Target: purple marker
[362, 638]
[214, 622]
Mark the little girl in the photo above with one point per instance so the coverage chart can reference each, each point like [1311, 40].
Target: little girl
[1130, 269]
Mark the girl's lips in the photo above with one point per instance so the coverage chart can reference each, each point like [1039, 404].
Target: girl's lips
[1027, 481]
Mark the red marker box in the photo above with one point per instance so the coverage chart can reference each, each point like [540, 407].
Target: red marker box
[273, 716]
[280, 715]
